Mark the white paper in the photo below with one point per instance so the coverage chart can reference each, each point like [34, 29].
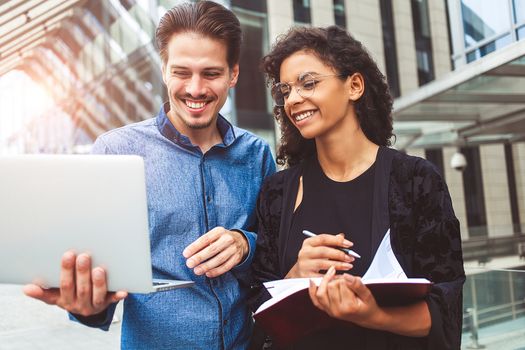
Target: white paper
[385, 264]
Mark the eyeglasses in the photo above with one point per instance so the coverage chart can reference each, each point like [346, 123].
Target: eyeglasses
[305, 87]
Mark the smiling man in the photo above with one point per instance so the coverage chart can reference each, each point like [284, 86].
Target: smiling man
[203, 178]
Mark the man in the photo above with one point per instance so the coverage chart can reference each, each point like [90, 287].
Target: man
[203, 175]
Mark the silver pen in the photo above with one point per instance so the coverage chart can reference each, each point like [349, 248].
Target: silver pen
[346, 250]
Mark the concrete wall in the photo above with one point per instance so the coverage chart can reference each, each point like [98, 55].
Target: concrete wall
[406, 47]
[496, 190]
[280, 17]
[322, 13]
[364, 23]
[518, 151]
[439, 32]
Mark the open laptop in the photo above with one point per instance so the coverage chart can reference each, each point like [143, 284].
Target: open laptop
[89, 203]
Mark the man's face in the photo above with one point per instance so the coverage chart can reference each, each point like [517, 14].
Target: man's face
[198, 79]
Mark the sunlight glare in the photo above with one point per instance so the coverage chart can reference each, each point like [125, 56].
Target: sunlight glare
[21, 101]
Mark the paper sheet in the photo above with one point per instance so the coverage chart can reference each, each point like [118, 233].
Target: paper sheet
[385, 264]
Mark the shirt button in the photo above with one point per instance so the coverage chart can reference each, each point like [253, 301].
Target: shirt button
[208, 198]
[225, 322]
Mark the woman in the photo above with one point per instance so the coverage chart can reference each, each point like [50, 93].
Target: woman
[346, 185]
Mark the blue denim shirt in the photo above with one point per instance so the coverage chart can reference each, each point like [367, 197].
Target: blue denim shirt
[190, 193]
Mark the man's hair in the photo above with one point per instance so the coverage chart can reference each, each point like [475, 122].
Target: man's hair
[339, 50]
[206, 18]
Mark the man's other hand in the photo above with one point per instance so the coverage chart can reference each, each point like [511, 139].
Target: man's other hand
[83, 291]
[216, 252]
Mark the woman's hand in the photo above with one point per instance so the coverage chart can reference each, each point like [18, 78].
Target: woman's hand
[320, 253]
[347, 298]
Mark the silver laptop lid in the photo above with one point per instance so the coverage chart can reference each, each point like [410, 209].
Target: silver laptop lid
[52, 203]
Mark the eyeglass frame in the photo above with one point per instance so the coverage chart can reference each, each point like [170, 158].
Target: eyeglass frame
[298, 88]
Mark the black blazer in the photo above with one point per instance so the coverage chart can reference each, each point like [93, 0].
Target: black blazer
[412, 199]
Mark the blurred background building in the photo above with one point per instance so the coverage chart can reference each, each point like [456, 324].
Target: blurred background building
[72, 69]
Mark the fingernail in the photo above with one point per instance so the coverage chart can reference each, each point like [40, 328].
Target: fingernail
[82, 261]
[347, 266]
[97, 274]
[190, 263]
[198, 271]
[185, 253]
[331, 270]
[347, 243]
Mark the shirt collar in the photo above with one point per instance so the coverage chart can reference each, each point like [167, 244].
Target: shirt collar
[168, 130]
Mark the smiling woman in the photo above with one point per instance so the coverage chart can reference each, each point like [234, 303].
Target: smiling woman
[21, 101]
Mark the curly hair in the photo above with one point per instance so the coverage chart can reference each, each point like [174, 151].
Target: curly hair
[338, 49]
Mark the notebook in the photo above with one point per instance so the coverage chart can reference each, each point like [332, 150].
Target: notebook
[87, 203]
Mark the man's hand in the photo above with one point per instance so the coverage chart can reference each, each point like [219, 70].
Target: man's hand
[320, 253]
[82, 291]
[216, 252]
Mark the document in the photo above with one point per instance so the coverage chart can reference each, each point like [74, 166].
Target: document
[290, 314]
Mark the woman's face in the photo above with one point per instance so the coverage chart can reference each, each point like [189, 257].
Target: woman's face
[314, 112]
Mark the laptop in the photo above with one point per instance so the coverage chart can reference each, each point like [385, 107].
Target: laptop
[88, 203]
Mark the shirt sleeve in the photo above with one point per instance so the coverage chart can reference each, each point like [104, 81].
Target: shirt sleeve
[101, 321]
[438, 256]
[268, 168]
[100, 147]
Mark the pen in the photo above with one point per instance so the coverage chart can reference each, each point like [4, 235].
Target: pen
[346, 250]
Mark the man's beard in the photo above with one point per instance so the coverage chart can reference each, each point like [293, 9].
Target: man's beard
[197, 126]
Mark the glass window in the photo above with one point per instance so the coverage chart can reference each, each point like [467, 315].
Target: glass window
[250, 93]
[389, 46]
[521, 32]
[435, 156]
[301, 11]
[513, 193]
[423, 41]
[259, 6]
[474, 194]
[483, 19]
[519, 11]
[488, 48]
[339, 13]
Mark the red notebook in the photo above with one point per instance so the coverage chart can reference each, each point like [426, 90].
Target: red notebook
[290, 315]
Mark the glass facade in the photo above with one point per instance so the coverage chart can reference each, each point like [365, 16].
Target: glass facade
[513, 193]
[301, 11]
[389, 46]
[435, 156]
[339, 13]
[519, 11]
[484, 19]
[103, 70]
[250, 95]
[494, 303]
[474, 194]
[423, 41]
[486, 26]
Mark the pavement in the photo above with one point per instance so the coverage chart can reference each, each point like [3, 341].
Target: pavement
[30, 324]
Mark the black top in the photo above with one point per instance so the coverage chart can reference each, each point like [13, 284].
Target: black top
[411, 199]
[332, 207]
